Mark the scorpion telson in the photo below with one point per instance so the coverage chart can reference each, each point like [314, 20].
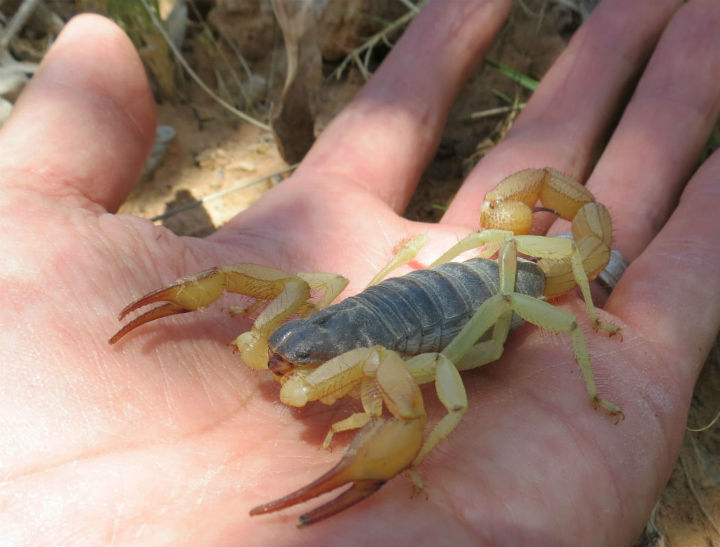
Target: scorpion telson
[426, 326]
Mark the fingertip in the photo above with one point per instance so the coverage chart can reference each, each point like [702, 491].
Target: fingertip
[86, 121]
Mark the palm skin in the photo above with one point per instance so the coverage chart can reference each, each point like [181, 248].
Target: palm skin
[168, 438]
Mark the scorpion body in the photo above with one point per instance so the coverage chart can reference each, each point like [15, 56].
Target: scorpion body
[424, 327]
[417, 313]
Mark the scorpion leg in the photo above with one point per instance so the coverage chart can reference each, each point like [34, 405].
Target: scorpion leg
[382, 448]
[436, 367]
[405, 253]
[465, 352]
[284, 294]
[549, 317]
[489, 240]
[567, 263]
[372, 408]
[330, 284]
[533, 310]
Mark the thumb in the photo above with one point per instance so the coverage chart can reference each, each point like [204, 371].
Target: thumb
[86, 121]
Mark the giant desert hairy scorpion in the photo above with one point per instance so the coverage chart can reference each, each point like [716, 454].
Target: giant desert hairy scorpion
[426, 326]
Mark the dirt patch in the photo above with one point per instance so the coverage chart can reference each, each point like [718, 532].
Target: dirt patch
[213, 169]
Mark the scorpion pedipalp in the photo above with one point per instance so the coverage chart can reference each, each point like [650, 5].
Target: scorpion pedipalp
[283, 296]
[184, 295]
[380, 450]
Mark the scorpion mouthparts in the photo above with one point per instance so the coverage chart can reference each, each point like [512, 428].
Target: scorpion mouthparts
[278, 365]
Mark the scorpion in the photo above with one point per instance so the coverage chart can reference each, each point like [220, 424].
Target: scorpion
[426, 326]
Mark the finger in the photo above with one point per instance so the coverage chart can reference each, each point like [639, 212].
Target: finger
[567, 118]
[663, 129]
[671, 292]
[84, 125]
[384, 139]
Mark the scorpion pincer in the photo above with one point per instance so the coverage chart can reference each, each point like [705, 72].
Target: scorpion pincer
[425, 326]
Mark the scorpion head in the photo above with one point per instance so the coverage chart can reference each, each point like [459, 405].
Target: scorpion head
[292, 357]
[298, 348]
[301, 343]
[291, 346]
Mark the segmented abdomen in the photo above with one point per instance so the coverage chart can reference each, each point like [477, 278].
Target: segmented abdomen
[416, 313]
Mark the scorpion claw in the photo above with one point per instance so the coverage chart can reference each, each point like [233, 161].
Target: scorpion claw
[155, 313]
[382, 449]
[184, 295]
[359, 490]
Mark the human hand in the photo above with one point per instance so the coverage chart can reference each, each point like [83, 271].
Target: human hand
[168, 438]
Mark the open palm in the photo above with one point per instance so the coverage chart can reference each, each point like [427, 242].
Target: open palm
[168, 438]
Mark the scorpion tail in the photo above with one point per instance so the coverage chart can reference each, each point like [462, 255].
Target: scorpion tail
[381, 450]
